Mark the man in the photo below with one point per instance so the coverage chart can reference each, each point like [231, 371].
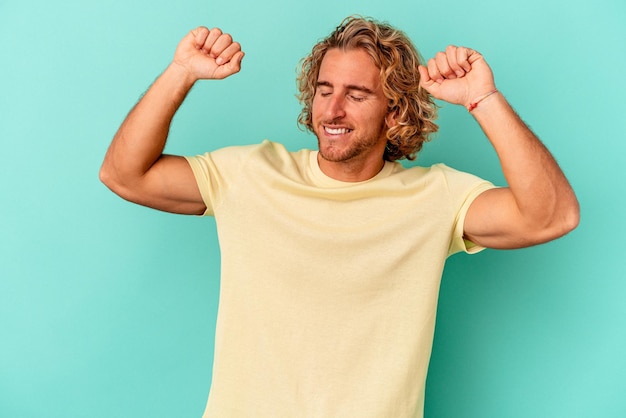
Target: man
[331, 259]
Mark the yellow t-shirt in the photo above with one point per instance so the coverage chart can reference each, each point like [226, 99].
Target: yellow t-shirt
[329, 289]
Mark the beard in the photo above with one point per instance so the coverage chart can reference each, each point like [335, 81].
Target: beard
[347, 149]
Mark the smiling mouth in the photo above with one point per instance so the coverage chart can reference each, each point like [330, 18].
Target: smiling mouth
[336, 131]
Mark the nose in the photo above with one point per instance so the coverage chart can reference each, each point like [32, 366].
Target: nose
[335, 108]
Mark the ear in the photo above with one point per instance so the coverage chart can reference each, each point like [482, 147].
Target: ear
[391, 119]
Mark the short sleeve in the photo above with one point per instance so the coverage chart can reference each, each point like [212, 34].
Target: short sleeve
[202, 167]
[459, 242]
[463, 189]
[215, 172]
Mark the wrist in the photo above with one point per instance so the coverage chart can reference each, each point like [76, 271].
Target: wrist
[476, 101]
[181, 73]
[493, 109]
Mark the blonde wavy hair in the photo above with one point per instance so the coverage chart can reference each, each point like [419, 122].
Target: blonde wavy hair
[396, 57]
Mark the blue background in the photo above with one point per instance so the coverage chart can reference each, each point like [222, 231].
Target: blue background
[107, 309]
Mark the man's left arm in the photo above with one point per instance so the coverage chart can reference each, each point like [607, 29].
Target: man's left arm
[539, 204]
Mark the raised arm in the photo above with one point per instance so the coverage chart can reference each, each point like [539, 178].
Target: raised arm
[135, 167]
[538, 205]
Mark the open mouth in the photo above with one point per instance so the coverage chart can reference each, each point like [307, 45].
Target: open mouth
[336, 131]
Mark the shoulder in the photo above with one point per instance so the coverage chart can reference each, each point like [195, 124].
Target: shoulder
[442, 180]
[454, 177]
[265, 150]
[434, 173]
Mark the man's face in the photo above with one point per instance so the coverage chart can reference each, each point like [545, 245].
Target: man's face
[349, 108]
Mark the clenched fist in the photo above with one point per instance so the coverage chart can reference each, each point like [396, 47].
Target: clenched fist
[457, 75]
[208, 54]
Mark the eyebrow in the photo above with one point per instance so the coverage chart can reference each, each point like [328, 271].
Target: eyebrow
[349, 87]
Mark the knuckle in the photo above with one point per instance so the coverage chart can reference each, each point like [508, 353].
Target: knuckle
[432, 65]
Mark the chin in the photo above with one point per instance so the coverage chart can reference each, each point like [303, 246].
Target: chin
[329, 151]
[332, 154]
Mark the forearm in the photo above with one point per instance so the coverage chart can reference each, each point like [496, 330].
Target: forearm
[141, 138]
[135, 167]
[541, 191]
[539, 205]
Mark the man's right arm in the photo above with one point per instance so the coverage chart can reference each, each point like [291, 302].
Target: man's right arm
[135, 167]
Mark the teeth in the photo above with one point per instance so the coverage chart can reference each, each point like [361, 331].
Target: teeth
[336, 131]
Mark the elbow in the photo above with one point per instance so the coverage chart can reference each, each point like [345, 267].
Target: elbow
[126, 187]
[569, 214]
[106, 176]
[544, 228]
[561, 223]
[571, 217]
